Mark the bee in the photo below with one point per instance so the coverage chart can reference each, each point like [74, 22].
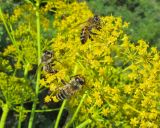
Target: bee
[86, 32]
[46, 60]
[70, 88]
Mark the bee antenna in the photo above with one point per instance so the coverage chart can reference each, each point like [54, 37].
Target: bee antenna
[75, 76]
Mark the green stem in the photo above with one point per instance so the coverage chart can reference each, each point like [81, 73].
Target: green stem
[39, 61]
[21, 107]
[10, 35]
[5, 109]
[59, 114]
[76, 112]
[82, 125]
[132, 108]
[48, 110]
[6, 27]
[8, 31]
[26, 71]
[20, 116]
[75, 69]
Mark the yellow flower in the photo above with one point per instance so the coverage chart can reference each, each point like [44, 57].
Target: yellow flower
[95, 63]
[97, 85]
[107, 89]
[55, 99]
[143, 114]
[116, 98]
[89, 56]
[127, 89]
[96, 95]
[152, 116]
[99, 102]
[132, 75]
[108, 59]
[47, 99]
[42, 82]
[105, 111]
[50, 78]
[126, 24]
[134, 121]
[9, 50]
[83, 109]
[133, 67]
[101, 71]
[52, 87]
[88, 100]
[115, 91]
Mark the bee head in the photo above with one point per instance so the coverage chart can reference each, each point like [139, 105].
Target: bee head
[96, 18]
[79, 80]
[48, 53]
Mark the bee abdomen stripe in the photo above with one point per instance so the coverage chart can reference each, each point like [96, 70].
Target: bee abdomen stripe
[64, 93]
[59, 96]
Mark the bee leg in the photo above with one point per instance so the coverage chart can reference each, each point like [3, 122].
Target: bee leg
[64, 82]
[90, 38]
[50, 70]
[83, 41]
[93, 33]
[53, 64]
[98, 28]
[53, 71]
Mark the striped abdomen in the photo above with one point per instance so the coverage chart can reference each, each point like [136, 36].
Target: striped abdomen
[65, 92]
[84, 34]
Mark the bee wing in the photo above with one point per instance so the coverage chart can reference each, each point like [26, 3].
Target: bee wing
[79, 24]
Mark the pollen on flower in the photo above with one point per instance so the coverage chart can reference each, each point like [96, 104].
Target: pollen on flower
[55, 99]
[99, 102]
[96, 95]
[105, 111]
[89, 100]
[47, 99]
[42, 82]
[126, 24]
[52, 87]
[127, 89]
[134, 121]
[101, 71]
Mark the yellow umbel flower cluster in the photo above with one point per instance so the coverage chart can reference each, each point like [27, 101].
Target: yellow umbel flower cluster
[122, 78]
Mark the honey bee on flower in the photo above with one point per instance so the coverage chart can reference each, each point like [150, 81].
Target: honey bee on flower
[46, 60]
[69, 89]
[86, 32]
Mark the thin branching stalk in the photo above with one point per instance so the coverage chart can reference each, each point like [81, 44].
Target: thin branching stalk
[132, 108]
[20, 116]
[47, 110]
[5, 109]
[59, 114]
[7, 29]
[21, 107]
[83, 125]
[76, 112]
[10, 35]
[39, 61]
[26, 70]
